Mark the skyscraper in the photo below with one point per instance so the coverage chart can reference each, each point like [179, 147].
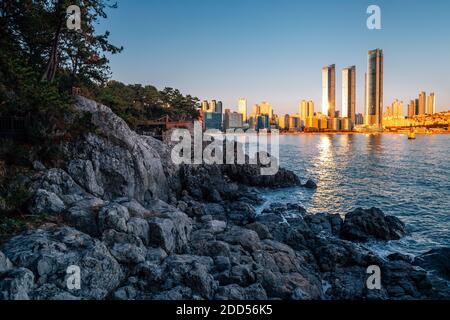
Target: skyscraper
[212, 106]
[411, 109]
[329, 90]
[219, 107]
[242, 108]
[205, 106]
[303, 110]
[266, 108]
[374, 89]
[422, 106]
[431, 103]
[349, 93]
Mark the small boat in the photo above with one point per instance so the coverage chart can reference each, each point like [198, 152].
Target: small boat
[411, 135]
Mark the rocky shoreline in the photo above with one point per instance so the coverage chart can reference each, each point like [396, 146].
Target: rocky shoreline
[139, 227]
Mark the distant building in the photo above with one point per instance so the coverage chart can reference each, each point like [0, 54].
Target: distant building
[262, 122]
[242, 108]
[329, 90]
[212, 120]
[294, 123]
[283, 122]
[374, 89]
[305, 109]
[431, 103]
[349, 93]
[219, 107]
[422, 103]
[359, 119]
[205, 106]
[232, 120]
[266, 108]
[411, 109]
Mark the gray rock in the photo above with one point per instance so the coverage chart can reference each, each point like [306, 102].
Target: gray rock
[192, 272]
[437, 261]
[48, 254]
[83, 173]
[170, 228]
[246, 238]
[5, 264]
[16, 284]
[59, 182]
[140, 228]
[113, 216]
[310, 184]
[83, 219]
[125, 163]
[45, 202]
[362, 225]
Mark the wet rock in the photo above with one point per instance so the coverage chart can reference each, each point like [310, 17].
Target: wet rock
[436, 261]
[363, 225]
[329, 224]
[310, 184]
[240, 213]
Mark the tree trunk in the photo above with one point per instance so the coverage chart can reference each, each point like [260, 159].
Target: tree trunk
[52, 66]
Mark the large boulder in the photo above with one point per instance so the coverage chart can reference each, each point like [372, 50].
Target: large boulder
[437, 261]
[124, 163]
[169, 228]
[363, 225]
[49, 253]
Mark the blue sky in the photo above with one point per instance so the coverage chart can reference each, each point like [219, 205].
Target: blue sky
[274, 50]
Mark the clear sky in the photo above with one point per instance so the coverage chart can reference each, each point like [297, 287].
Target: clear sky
[274, 50]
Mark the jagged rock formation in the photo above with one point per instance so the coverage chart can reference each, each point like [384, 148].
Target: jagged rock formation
[139, 227]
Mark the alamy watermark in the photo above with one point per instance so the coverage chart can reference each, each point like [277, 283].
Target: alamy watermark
[73, 280]
[374, 280]
[374, 20]
[227, 148]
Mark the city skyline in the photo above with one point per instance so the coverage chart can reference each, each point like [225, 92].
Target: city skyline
[274, 53]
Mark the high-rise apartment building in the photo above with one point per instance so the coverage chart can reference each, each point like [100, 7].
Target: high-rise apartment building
[242, 108]
[412, 109]
[422, 103]
[219, 107]
[212, 106]
[349, 93]
[329, 90]
[374, 89]
[305, 109]
[266, 108]
[205, 106]
[431, 103]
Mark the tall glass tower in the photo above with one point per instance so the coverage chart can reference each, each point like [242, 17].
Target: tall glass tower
[329, 90]
[349, 93]
[374, 89]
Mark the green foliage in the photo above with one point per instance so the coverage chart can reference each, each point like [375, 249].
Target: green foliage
[11, 225]
[135, 102]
